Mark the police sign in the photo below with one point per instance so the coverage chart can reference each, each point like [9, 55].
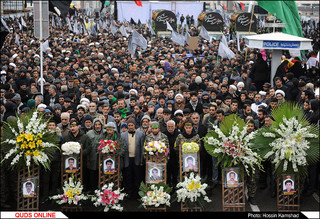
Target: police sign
[281, 44]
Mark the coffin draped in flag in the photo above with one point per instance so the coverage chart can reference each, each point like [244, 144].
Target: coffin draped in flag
[61, 8]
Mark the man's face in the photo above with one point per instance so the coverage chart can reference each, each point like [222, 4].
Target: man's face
[250, 127]
[97, 126]
[28, 187]
[145, 123]
[74, 128]
[131, 127]
[179, 99]
[105, 110]
[121, 104]
[166, 117]
[80, 112]
[260, 116]
[92, 108]
[234, 107]
[64, 120]
[70, 163]
[117, 118]
[220, 117]
[257, 98]
[195, 119]
[110, 132]
[88, 124]
[248, 110]
[268, 121]
[288, 186]
[170, 127]
[212, 111]
[155, 130]
[194, 98]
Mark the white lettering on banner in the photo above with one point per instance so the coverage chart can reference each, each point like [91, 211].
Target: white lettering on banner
[244, 20]
[209, 18]
[164, 18]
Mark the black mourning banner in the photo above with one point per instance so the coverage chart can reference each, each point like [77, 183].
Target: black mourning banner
[243, 21]
[61, 8]
[160, 18]
[212, 21]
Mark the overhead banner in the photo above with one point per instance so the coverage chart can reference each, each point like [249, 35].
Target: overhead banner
[242, 22]
[160, 19]
[212, 21]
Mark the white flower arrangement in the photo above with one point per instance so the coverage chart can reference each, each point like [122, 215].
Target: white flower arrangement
[72, 193]
[192, 190]
[108, 198]
[290, 144]
[156, 148]
[30, 140]
[236, 146]
[191, 147]
[154, 195]
[70, 147]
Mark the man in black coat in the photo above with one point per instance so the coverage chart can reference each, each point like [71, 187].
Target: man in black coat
[194, 104]
[260, 72]
[172, 133]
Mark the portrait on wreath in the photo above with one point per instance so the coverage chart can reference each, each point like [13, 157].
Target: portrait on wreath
[109, 164]
[190, 162]
[29, 187]
[232, 179]
[155, 172]
[288, 184]
[71, 164]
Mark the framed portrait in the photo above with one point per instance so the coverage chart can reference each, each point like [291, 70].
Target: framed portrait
[155, 172]
[232, 177]
[29, 187]
[190, 162]
[71, 163]
[288, 184]
[109, 164]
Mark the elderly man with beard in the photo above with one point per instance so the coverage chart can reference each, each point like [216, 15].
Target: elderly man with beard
[93, 111]
[95, 135]
[77, 135]
[172, 133]
[145, 125]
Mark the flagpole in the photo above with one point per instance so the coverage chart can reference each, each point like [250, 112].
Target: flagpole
[250, 29]
[41, 56]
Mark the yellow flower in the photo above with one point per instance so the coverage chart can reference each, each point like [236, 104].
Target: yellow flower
[39, 135]
[36, 153]
[28, 153]
[29, 137]
[20, 137]
[32, 145]
[39, 143]
[69, 193]
[192, 186]
[78, 192]
[24, 145]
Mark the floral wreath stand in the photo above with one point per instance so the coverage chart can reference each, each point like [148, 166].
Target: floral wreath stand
[108, 178]
[77, 176]
[233, 199]
[288, 203]
[184, 207]
[30, 203]
[157, 159]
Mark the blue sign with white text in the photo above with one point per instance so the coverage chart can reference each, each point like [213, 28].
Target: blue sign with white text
[281, 44]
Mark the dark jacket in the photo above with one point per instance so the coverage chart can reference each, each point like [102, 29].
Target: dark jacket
[260, 71]
[81, 138]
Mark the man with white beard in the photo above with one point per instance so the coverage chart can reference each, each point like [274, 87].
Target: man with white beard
[93, 111]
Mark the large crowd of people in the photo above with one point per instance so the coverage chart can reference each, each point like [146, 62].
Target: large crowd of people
[95, 89]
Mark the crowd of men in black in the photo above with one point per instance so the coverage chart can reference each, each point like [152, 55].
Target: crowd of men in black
[92, 78]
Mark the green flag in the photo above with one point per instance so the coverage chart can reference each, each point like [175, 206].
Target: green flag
[287, 12]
